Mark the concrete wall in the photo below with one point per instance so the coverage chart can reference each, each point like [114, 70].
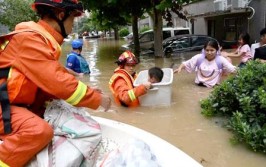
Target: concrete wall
[147, 22]
[257, 22]
[200, 26]
[176, 22]
[199, 7]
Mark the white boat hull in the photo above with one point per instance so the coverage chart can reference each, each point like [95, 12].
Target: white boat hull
[167, 154]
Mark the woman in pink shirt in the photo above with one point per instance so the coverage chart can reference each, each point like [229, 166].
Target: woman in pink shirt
[209, 65]
[243, 51]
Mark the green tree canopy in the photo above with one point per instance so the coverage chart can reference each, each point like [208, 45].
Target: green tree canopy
[13, 12]
[116, 13]
[106, 13]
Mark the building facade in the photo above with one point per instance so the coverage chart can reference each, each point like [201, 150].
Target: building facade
[222, 19]
[148, 22]
[226, 19]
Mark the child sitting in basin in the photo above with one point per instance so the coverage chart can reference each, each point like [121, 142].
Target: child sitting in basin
[155, 75]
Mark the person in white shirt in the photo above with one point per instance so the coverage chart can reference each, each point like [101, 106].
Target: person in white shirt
[259, 44]
[260, 52]
[209, 65]
[253, 47]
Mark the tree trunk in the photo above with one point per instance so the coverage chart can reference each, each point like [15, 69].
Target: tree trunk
[158, 33]
[135, 35]
[116, 33]
[110, 33]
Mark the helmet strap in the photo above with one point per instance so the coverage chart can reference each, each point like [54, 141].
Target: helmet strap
[62, 27]
[61, 24]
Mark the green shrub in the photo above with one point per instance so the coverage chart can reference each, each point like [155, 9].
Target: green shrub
[123, 32]
[145, 28]
[242, 100]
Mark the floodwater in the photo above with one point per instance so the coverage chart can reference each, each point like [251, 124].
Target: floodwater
[181, 123]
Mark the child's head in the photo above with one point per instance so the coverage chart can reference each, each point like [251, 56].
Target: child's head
[155, 75]
[243, 39]
[211, 48]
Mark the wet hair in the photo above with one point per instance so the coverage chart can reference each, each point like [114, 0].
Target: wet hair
[263, 32]
[157, 73]
[245, 37]
[212, 43]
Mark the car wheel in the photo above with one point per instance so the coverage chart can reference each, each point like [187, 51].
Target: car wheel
[168, 50]
[167, 55]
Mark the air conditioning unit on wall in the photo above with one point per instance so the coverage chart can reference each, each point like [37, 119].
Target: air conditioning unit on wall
[239, 3]
[219, 5]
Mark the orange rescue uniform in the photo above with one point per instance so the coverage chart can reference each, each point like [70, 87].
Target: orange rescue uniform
[121, 86]
[36, 75]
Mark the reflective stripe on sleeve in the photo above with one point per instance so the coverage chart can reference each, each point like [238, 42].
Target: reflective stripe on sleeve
[2, 164]
[4, 44]
[78, 94]
[132, 95]
[10, 73]
[113, 78]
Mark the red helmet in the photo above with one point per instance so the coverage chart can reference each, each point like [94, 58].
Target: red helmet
[69, 5]
[127, 58]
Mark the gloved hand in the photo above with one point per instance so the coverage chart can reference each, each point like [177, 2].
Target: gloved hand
[106, 102]
[147, 85]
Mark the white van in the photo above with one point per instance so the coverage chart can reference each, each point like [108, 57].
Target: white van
[146, 38]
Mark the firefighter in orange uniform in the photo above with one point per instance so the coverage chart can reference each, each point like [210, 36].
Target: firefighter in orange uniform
[30, 75]
[121, 83]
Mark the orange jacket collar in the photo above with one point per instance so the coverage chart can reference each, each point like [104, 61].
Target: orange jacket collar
[58, 37]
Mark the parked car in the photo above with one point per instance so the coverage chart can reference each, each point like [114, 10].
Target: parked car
[146, 39]
[185, 43]
[129, 37]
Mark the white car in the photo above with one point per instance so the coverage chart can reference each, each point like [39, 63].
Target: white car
[146, 39]
[129, 37]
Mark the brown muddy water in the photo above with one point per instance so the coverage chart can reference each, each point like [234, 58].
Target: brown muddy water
[181, 123]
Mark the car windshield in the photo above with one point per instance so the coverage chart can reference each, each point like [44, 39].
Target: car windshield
[177, 44]
[169, 42]
[199, 41]
[183, 42]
